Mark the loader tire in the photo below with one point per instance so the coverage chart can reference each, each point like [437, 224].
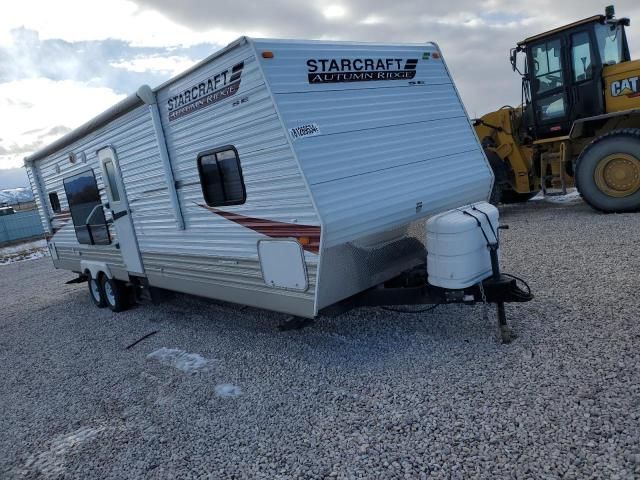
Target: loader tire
[608, 172]
[502, 192]
[499, 174]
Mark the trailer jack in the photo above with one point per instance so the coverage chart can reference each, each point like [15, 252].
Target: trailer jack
[503, 329]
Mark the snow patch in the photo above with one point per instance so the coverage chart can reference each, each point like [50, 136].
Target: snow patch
[226, 390]
[51, 463]
[174, 357]
[572, 196]
[23, 251]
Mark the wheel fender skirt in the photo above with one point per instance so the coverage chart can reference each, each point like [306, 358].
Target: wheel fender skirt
[577, 129]
[95, 268]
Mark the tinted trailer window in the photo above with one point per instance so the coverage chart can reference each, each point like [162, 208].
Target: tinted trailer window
[83, 198]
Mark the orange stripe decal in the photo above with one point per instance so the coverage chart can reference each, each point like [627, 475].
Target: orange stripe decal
[273, 229]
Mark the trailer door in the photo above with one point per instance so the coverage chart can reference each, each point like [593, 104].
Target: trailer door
[120, 213]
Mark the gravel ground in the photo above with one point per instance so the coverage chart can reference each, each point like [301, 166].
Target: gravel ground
[19, 252]
[218, 392]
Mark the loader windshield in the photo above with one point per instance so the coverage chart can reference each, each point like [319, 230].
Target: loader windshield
[610, 43]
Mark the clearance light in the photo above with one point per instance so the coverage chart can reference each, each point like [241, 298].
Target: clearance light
[435, 55]
[267, 54]
[304, 241]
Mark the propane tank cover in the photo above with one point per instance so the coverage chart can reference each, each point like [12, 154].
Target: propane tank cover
[457, 252]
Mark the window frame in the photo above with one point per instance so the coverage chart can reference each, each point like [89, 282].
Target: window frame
[215, 151]
[51, 203]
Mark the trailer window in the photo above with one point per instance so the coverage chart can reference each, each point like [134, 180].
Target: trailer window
[221, 177]
[84, 201]
[54, 202]
[112, 183]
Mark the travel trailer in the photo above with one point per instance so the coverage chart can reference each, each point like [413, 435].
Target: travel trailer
[295, 176]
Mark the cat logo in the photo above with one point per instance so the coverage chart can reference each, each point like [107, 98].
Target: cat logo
[628, 87]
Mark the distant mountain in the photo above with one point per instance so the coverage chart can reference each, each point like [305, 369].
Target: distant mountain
[12, 196]
[13, 178]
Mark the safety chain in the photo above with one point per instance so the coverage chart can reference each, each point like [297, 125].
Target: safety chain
[485, 310]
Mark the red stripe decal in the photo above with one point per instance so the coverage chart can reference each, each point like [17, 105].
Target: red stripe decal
[274, 229]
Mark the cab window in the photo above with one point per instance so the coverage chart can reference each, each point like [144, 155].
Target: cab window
[610, 43]
[551, 107]
[547, 66]
[581, 57]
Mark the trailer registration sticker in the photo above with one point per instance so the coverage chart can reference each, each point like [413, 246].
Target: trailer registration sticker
[307, 130]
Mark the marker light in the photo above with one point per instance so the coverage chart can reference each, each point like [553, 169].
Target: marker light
[267, 54]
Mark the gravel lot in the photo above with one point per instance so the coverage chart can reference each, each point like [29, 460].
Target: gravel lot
[372, 394]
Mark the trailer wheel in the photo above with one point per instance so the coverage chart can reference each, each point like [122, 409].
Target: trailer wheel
[608, 171]
[115, 294]
[96, 293]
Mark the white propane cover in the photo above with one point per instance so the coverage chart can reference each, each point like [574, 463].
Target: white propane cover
[457, 253]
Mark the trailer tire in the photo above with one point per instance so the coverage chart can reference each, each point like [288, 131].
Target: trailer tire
[608, 171]
[96, 292]
[115, 294]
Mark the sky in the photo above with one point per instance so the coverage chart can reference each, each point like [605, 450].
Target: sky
[63, 62]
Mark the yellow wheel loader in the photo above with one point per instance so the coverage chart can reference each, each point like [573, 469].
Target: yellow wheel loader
[579, 121]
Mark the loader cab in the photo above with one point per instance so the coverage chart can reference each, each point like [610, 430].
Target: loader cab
[562, 80]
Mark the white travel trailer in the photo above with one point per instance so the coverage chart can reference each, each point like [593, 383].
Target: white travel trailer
[287, 175]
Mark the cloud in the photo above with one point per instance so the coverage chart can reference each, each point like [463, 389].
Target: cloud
[81, 20]
[111, 63]
[57, 106]
[475, 35]
[165, 65]
[63, 62]
[49, 86]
